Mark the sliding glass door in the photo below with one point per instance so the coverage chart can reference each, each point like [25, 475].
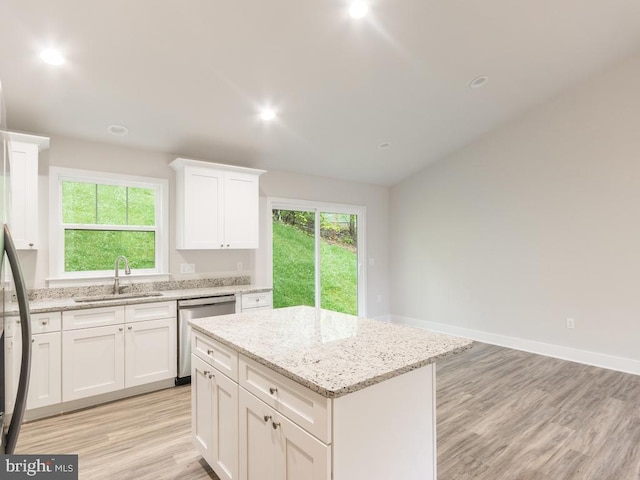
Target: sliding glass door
[316, 256]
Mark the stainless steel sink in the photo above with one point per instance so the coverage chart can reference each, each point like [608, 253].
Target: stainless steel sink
[115, 297]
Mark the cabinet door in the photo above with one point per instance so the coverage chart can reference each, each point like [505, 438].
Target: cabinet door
[45, 384]
[241, 217]
[214, 406]
[300, 455]
[45, 379]
[256, 439]
[24, 194]
[202, 209]
[92, 361]
[201, 407]
[150, 351]
[224, 454]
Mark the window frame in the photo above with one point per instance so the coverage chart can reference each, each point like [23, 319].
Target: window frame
[57, 228]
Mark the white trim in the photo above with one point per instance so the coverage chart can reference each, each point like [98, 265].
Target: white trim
[312, 206]
[56, 255]
[602, 360]
[101, 280]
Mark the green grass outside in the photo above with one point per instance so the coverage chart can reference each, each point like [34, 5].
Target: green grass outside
[293, 272]
[97, 204]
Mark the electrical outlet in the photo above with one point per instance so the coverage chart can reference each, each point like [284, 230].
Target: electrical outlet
[571, 323]
[187, 268]
[239, 266]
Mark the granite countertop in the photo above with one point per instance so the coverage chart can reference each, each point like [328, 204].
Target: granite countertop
[328, 352]
[68, 303]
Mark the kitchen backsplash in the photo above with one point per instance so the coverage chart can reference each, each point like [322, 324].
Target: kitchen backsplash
[69, 292]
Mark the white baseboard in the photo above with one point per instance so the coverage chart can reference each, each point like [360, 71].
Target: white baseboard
[611, 362]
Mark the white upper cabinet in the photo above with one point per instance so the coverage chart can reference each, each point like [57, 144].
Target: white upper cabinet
[23, 173]
[216, 205]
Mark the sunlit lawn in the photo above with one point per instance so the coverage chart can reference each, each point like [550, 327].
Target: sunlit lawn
[293, 271]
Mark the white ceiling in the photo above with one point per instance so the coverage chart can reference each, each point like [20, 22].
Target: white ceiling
[188, 77]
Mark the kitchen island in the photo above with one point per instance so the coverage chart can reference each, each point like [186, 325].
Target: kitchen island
[309, 394]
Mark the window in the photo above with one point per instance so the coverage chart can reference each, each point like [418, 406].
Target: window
[97, 216]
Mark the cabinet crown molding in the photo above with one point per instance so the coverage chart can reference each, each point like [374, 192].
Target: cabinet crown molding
[41, 142]
[180, 163]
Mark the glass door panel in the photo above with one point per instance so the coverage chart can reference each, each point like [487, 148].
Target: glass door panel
[294, 258]
[315, 259]
[339, 262]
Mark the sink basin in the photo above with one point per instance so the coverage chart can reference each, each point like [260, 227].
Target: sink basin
[115, 297]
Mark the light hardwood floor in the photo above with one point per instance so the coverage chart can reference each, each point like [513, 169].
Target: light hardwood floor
[502, 415]
[140, 438]
[505, 414]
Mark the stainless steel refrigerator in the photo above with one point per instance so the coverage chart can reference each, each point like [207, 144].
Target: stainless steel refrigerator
[11, 281]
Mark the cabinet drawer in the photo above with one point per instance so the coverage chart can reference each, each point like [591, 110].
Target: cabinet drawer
[215, 354]
[256, 300]
[45, 322]
[150, 311]
[92, 317]
[306, 408]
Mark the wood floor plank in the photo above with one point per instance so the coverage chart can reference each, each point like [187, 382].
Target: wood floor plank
[142, 438]
[531, 417]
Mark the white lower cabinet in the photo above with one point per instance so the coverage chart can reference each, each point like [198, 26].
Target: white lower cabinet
[214, 403]
[92, 361]
[150, 351]
[240, 435]
[111, 348]
[273, 447]
[45, 376]
[254, 302]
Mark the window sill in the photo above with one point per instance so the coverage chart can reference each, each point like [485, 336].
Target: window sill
[106, 279]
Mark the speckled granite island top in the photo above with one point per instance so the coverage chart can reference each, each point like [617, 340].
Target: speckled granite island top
[330, 353]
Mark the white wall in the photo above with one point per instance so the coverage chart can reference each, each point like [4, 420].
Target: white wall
[73, 153]
[533, 223]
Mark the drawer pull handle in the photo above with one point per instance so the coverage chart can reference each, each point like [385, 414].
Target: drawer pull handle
[257, 300]
[120, 329]
[206, 372]
[130, 327]
[275, 425]
[209, 352]
[211, 375]
[44, 322]
[267, 418]
[273, 390]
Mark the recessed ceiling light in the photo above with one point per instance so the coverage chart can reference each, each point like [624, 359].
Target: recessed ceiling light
[478, 81]
[118, 130]
[358, 9]
[52, 56]
[267, 115]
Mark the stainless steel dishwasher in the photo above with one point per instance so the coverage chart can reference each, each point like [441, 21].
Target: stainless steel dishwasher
[197, 308]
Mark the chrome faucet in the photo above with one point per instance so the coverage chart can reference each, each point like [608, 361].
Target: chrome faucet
[116, 279]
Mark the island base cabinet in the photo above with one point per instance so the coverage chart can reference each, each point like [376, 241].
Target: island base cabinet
[387, 430]
[274, 448]
[214, 419]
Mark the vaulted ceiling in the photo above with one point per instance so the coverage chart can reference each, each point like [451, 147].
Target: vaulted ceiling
[372, 100]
